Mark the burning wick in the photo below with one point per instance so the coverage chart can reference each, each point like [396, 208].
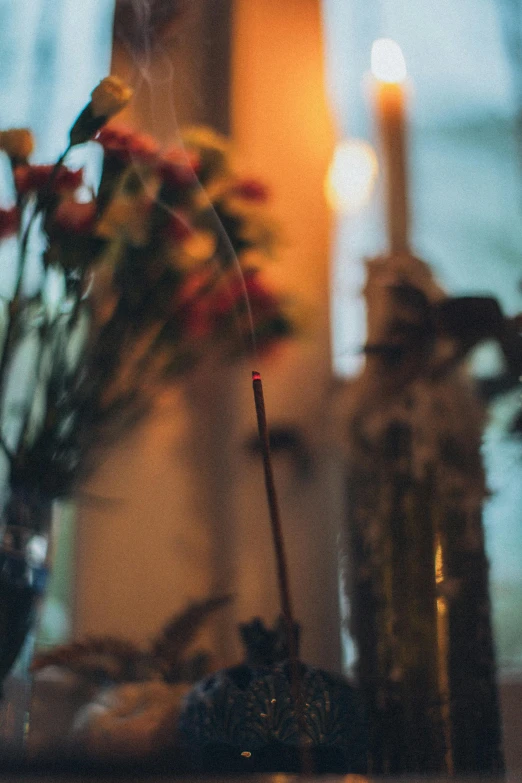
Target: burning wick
[282, 567]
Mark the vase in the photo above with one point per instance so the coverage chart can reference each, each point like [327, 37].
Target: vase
[24, 571]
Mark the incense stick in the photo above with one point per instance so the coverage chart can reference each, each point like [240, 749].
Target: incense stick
[282, 569]
[273, 507]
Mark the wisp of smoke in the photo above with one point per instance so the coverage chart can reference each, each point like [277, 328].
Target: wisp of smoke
[140, 26]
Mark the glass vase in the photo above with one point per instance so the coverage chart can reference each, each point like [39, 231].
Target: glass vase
[25, 555]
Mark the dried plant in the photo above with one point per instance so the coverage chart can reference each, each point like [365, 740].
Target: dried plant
[108, 660]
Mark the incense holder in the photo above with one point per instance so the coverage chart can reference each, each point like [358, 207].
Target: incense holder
[244, 718]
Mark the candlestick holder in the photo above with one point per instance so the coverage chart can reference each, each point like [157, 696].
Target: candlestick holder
[418, 581]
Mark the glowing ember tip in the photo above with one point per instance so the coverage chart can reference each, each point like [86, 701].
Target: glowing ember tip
[256, 376]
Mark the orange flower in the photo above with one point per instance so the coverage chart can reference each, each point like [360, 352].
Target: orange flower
[18, 143]
[199, 246]
[109, 97]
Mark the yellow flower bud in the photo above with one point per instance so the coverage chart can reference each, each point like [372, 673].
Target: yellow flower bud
[109, 97]
[18, 143]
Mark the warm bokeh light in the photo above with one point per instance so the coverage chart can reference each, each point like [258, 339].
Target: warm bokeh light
[351, 176]
[387, 61]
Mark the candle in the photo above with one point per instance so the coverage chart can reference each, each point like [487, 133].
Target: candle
[389, 72]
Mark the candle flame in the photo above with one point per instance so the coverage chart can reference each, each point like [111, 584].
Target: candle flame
[388, 64]
[351, 176]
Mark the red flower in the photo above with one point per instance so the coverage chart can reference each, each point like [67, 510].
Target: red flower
[28, 178]
[250, 190]
[261, 301]
[193, 286]
[178, 167]
[260, 297]
[194, 305]
[9, 222]
[125, 145]
[198, 321]
[204, 304]
[74, 217]
[178, 228]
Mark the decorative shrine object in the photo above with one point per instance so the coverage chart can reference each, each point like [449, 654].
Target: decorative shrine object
[244, 718]
[418, 582]
[418, 586]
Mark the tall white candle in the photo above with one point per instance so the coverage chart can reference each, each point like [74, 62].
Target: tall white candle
[389, 75]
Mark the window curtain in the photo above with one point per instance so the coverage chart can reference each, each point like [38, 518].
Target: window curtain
[466, 197]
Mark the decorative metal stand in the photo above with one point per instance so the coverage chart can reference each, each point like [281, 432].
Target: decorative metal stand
[418, 582]
[421, 621]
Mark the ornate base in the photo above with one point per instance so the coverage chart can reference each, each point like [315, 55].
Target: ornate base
[243, 718]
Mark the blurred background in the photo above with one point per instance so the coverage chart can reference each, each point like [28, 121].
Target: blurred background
[176, 511]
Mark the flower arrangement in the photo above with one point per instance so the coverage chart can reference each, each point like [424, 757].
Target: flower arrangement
[160, 264]
[138, 279]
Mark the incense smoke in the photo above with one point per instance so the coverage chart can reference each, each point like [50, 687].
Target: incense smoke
[143, 28]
